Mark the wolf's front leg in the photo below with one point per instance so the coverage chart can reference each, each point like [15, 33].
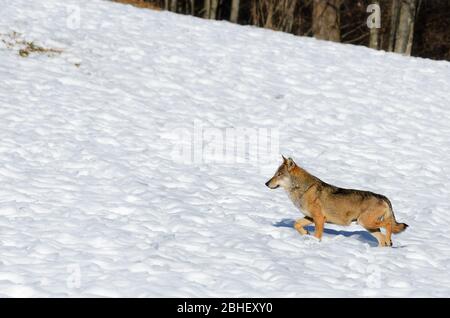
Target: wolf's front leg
[319, 220]
[319, 223]
[301, 223]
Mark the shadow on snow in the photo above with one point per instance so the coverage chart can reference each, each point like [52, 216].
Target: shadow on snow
[362, 236]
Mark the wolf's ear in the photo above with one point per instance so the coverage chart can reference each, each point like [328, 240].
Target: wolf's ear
[284, 159]
[290, 163]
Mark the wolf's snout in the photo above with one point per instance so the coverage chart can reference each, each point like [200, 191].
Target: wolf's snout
[269, 186]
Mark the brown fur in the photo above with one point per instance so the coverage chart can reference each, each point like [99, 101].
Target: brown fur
[324, 203]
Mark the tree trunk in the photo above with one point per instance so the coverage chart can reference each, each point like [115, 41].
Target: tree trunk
[270, 7]
[213, 11]
[166, 5]
[192, 7]
[326, 20]
[405, 31]
[374, 40]
[206, 8]
[288, 12]
[173, 5]
[234, 15]
[395, 13]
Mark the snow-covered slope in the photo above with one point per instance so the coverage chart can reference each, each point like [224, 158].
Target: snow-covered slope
[94, 201]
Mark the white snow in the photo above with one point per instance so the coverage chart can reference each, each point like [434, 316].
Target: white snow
[94, 203]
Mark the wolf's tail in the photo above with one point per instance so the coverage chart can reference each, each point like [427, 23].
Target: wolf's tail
[396, 227]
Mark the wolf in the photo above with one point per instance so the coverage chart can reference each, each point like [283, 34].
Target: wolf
[323, 203]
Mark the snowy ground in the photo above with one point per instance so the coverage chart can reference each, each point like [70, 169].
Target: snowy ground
[93, 201]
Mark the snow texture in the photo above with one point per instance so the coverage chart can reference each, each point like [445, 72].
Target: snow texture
[93, 202]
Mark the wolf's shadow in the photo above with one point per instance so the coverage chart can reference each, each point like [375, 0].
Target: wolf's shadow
[362, 236]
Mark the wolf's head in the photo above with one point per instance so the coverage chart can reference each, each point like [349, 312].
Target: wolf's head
[282, 176]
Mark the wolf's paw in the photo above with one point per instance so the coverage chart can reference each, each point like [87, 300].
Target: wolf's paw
[311, 240]
[300, 229]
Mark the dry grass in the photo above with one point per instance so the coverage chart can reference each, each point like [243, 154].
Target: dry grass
[13, 41]
[30, 47]
[140, 4]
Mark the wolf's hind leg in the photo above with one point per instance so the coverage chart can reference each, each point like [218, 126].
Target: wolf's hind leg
[370, 221]
[379, 236]
[388, 228]
[301, 223]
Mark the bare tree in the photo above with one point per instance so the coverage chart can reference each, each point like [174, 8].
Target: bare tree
[206, 8]
[173, 5]
[213, 11]
[395, 13]
[210, 9]
[234, 15]
[192, 3]
[274, 14]
[401, 33]
[374, 38]
[326, 20]
[405, 31]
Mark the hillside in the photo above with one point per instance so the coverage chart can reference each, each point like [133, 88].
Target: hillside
[95, 201]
